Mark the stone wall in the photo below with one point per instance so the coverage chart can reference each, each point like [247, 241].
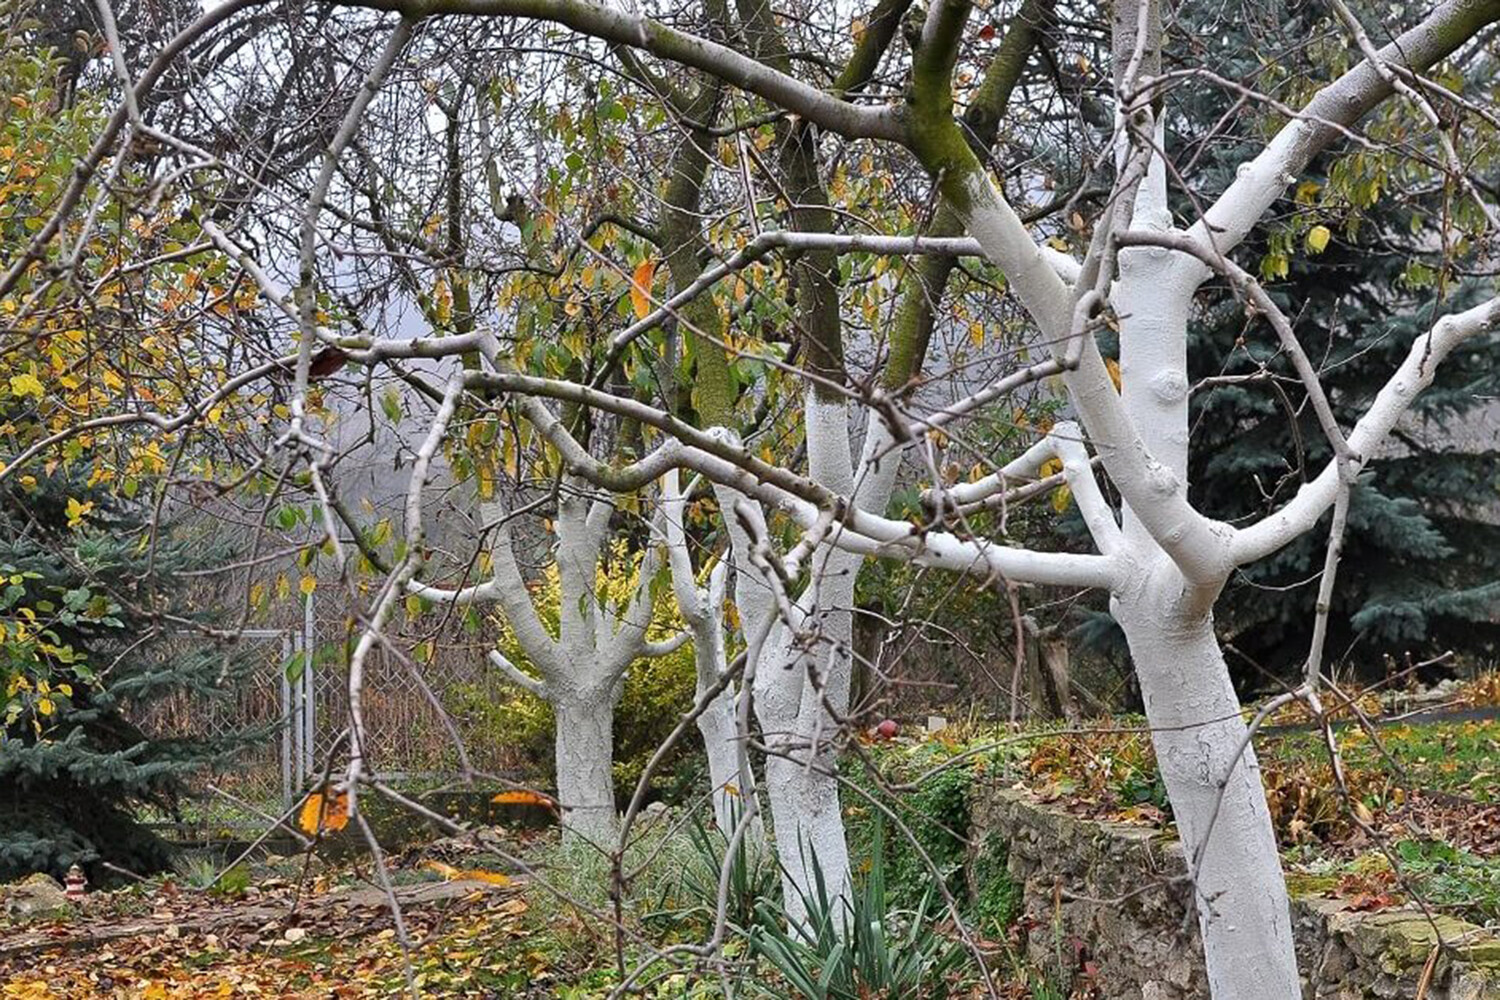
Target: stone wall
[1114, 895]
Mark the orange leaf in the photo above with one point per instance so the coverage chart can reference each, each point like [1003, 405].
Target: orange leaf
[1113, 367]
[451, 874]
[488, 877]
[319, 815]
[522, 798]
[640, 288]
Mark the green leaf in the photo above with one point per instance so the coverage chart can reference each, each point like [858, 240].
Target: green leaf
[390, 405]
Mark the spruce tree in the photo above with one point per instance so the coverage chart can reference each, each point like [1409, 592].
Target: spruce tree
[92, 622]
[1357, 260]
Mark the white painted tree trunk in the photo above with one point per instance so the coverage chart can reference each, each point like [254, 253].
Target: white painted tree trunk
[719, 728]
[733, 786]
[800, 693]
[1239, 891]
[581, 671]
[802, 790]
[585, 779]
[702, 608]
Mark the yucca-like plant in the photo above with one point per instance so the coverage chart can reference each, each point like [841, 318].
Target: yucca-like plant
[857, 949]
[693, 896]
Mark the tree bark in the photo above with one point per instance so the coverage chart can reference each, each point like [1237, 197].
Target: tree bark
[1197, 728]
[800, 693]
[585, 780]
[717, 726]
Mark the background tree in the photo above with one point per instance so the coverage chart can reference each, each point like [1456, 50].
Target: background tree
[1361, 258]
[94, 618]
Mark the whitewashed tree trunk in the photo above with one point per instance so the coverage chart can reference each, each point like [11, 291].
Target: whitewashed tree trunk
[719, 722]
[732, 781]
[719, 727]
[803, 679]
[1194, 714]
[580, 672]
[585, 755]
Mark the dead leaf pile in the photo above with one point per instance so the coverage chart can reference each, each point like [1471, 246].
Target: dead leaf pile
[335, 943]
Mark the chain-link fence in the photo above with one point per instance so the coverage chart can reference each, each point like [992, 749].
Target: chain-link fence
[283, 714]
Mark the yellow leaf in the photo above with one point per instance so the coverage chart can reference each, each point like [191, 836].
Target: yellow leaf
[1317, 238]
[26, 384]
[513, 907]
[976, 334]
[308, 584]
[447, 871]
[66, 690]
[44, 706]
[77, 511]
[640, 288]
[1061, 497]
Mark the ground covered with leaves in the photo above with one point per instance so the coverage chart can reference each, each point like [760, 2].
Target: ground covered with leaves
[305, 927]
[1417, 814]
[273, 933]
[1421, 817]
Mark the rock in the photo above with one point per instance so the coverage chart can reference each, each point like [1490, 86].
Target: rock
[1475, 986]
[34, 896]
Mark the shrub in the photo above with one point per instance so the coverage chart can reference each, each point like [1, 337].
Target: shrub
[936, 815]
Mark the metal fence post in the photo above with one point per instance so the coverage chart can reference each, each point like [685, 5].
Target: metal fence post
[286, 724]
[310, 691]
